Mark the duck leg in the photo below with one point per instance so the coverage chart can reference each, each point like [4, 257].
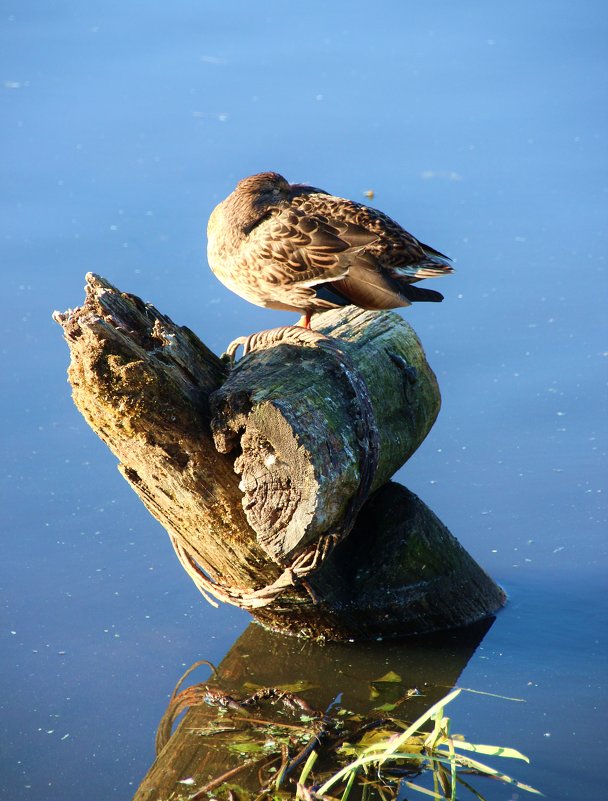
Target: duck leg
[304, 321]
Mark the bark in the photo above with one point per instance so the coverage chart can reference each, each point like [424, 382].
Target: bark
[143, 385]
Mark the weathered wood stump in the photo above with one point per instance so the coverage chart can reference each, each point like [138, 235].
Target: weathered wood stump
[311, 539]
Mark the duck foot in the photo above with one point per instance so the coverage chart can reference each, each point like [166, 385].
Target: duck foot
[284, 335]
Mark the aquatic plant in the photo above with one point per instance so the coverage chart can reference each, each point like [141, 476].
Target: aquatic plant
[335, 754]
[385, 761]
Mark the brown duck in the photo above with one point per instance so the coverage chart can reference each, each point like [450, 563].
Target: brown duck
[294, 247]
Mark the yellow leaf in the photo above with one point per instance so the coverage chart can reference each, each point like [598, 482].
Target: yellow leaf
[391, 676]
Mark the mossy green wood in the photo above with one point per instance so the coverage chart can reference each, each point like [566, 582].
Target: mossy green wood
[292, 413]
[399, 572]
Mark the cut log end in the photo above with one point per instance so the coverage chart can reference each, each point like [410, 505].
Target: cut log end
[320, 424]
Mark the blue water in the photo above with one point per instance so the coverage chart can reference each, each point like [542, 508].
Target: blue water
[482, 128]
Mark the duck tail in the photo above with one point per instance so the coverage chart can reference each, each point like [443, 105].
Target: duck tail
[416, 294]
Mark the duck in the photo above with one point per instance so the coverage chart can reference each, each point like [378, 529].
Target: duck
[298, 248]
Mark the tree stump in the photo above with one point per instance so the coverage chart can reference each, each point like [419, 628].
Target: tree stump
[311, 538]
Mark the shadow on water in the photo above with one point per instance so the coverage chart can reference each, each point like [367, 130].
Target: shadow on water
[365, 678]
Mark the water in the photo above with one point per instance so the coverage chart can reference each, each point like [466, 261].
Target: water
[482, 128]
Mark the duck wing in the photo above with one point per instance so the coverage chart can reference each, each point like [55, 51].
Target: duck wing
[296, 248]
[371, 287]
[395, 249]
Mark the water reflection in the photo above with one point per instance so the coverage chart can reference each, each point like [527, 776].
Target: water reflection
[429, 666]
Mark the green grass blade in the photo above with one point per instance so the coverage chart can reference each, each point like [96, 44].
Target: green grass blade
[490, 750]
[363, 762]
[398, 741]
[452, 761]
[471, 789]
[493, 695]
[349, 784]
[312, 758]
[488, 771]
[422, 790]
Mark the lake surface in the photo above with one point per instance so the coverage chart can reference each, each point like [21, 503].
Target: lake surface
[481, 127]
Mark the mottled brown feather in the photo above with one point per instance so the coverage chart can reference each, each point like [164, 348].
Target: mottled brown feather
[296, 247]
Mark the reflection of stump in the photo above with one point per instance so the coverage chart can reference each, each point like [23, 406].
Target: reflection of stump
[320, 674]
[313, 425]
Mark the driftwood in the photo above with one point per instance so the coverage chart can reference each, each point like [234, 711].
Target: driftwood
[422, 671]
[310, 538]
